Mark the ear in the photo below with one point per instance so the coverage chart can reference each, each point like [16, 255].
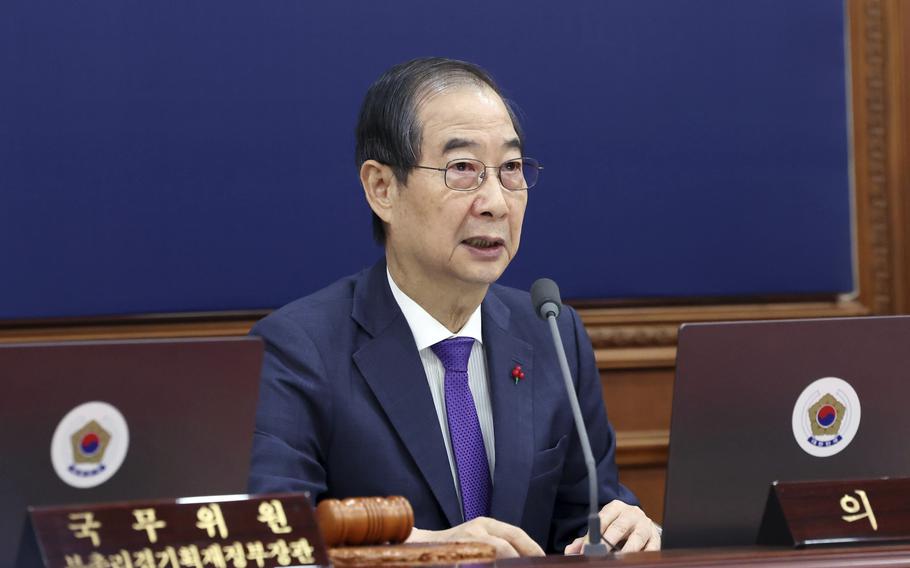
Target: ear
[379, 186]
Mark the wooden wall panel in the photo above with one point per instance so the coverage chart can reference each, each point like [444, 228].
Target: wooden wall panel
[647, 482]
[638, 400]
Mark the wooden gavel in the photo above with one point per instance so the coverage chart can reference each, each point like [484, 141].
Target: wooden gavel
[365, 520]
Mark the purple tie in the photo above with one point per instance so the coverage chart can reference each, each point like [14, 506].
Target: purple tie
[464, 428]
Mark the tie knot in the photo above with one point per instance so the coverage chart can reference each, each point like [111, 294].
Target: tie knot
[454, 353]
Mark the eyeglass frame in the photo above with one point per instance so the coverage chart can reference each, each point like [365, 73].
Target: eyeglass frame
[482, 177]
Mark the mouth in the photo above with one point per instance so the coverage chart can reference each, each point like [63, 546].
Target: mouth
[485, 248]
[484, 243]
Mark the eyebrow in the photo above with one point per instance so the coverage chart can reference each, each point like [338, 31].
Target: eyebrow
[456, 143]
[513, 143]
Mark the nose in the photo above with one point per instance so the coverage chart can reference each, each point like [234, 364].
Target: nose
[490, 200]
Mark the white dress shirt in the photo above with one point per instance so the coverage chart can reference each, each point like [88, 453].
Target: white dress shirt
[427, 332]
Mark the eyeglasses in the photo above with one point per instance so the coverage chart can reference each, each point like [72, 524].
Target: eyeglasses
[466, 174]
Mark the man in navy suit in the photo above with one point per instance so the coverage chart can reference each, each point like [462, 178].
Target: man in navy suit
[421, 377]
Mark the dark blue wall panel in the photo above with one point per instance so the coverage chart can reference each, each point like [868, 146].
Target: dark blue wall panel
[182, 156]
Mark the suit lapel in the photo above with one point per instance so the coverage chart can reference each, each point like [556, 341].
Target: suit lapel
[391, 366]
[512, 411]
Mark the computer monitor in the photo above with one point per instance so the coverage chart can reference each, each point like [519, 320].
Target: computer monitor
[756, 402]
[119, 420]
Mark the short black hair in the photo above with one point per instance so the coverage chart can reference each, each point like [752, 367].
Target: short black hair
[388, 130]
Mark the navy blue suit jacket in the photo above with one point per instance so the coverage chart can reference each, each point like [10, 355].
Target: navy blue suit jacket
[345, 410]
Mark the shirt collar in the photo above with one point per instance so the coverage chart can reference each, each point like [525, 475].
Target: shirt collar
[426, 329]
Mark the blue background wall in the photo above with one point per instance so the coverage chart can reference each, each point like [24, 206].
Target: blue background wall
[181, 156]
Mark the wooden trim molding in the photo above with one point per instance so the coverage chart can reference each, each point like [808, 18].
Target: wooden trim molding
[220, 327]
[635, 358]
[877, 37]
[644, 448]
[646, 337]
[899, 152]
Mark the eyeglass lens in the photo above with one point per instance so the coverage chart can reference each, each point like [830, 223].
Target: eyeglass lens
[464, 175]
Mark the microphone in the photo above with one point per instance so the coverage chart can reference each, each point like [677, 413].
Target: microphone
[545, 297]
[547, 304]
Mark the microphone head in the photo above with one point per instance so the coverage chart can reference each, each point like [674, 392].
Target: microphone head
[545, 297]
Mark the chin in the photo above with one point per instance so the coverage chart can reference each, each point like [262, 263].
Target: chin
[486, 275]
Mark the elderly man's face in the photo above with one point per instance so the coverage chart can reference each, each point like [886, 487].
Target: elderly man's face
[438, 235]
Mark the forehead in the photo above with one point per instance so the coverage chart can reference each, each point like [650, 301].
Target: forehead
[468, 113]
